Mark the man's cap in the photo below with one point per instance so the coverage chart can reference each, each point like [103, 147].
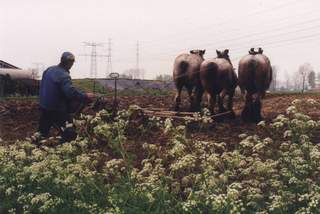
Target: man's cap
[67, 56]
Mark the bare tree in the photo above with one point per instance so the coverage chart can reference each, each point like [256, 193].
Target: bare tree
[318, 76]
[304, 71]
[287, 80]
[135, 73]
[312, 79]
[130, 73]
[125, 76]
[164, 77]
[297, 81]
[273, 85]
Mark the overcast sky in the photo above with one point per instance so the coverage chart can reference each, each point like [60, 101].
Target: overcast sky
[38, 31]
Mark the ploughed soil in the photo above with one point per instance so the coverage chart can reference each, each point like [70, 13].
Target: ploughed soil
[19, 117]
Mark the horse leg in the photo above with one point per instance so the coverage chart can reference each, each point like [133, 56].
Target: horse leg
[177, 98]
[221, 97]
[230, 103]
[191, 100]
[198, 92]
[246, 113]
[212, 102]
[257, 107]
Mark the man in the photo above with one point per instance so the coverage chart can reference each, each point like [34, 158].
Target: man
[56, 91]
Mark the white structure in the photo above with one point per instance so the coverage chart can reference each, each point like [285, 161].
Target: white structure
[17, 73]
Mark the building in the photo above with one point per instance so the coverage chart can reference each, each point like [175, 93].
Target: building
[14, 80]
[4, 64]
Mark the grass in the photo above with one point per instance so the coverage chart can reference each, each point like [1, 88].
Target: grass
[87, 85]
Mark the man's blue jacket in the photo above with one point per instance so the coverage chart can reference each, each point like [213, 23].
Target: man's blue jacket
[56, 89]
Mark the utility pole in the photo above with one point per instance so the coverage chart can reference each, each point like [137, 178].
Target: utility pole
[93, 64]
[109, 63]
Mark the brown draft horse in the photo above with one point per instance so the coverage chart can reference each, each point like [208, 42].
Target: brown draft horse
[255, 76]
[186, 74]
[219, 79]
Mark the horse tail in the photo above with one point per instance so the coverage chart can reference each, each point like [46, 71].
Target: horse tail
[252, 67]
[212, 70]
[181, 70]
[183, 66]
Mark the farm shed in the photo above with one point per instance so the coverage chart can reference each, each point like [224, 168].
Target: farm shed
[16, 80]
[4, 64]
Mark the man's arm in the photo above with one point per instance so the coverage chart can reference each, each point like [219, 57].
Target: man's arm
[69, 90]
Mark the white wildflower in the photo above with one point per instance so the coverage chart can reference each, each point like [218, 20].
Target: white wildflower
[296, 101]
[287, 133]
[242, 136]
[277, 125]
[311, 102]
[304, 138]
[311, 124]
[262, 124]
[291, 110]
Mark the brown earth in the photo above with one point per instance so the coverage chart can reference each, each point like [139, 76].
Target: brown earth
[19, 117]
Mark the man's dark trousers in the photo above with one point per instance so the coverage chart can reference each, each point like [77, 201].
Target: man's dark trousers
[58, 119]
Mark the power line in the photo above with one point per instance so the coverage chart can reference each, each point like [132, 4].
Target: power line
[279, 43]
[246, 36]
[254, 27]
[93, 56]
[270, 31]
[222, 23]
[296, 39]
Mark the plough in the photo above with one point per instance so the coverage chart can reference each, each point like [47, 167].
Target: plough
[159, 112]
[163, 113]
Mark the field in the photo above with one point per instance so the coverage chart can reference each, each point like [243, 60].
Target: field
[22, 118]
[135, 164]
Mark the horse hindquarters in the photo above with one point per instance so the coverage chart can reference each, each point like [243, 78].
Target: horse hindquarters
[208, 76]
[180, 79]
[252, 78]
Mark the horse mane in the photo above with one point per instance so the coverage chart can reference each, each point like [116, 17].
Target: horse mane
[252, 51]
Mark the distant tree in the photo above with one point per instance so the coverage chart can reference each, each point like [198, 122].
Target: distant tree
[125, 76]
[135, 73]
[287, 80]
[304, 71]
[164, 77]
[312, 79]
[318, 76]
[273, 85]
[296, 79]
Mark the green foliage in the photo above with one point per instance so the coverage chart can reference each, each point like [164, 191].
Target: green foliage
[86, 85]
[110, 168]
